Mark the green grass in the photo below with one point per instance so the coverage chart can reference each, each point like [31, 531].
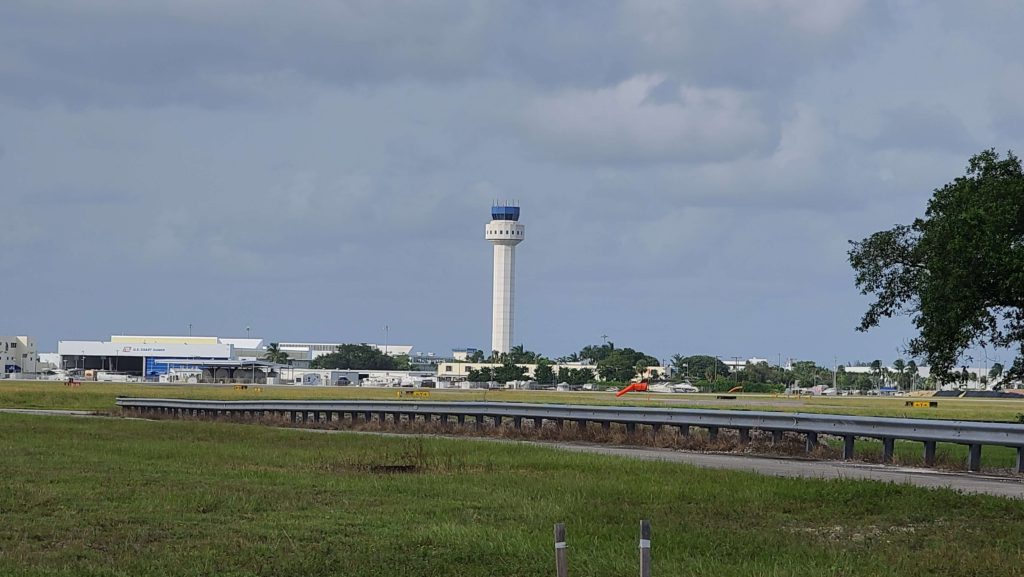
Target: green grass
[125, 497]
[101, 396]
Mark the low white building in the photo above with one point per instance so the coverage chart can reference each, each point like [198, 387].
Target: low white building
[146, 356]
[456, 371]
[18, 355]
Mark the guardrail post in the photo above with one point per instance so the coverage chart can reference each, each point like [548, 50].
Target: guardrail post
[561, 560]
[776, 437]
[581, 424]
[497, 421]
[1020, 459]
[538, 422]
[849, 442]
[974, 457]
[479, 421]
[517, 422]
[645, 549]
[744, 436]
[812, 441]
[656, 428]
[888, 448]
[929, 453]
[713, 433]
[630, 428]
[461, 419]
[684, 430]
[606, 425]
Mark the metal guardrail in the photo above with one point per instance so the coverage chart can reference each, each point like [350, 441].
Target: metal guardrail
[970, 433]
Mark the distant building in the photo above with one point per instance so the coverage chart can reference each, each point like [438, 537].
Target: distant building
[457, 371]
[149, 356]
[739, 364]
[18, 355]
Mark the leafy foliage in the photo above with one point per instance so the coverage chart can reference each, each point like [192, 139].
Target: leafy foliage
[274, 354]
[575, 376]
[481, 375]
[358, 357]
[958, 272]
[621, 364]
[543, 373]
[700, 367]
[509, 372]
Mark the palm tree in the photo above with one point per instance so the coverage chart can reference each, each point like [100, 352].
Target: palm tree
[876, 368]
[274, 354]
[912, 370]
[996, 372]
[900, 367]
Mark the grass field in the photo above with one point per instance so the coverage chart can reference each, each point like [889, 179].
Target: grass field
[100, 397]
[124, 497]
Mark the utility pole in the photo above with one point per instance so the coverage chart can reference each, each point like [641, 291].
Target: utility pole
[835, 368]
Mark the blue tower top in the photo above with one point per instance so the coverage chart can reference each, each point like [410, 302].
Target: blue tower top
[505, 213]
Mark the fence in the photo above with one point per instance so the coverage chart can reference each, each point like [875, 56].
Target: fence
[973, 434]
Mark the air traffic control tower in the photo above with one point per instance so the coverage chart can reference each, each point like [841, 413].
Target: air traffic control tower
[504, 232]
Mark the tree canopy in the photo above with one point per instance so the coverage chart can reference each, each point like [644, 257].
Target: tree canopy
[621, 364]
[359, 357]
[700, 367]
[958, 272]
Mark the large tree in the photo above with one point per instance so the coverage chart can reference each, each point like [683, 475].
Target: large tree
[958, 272]
[621, 364]
[358, 357]
[700, 367]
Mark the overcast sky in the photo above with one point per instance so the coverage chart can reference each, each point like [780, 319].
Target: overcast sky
[689, 172]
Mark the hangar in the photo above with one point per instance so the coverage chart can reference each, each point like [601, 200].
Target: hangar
[141, 356]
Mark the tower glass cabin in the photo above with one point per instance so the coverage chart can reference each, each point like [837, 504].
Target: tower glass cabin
[504, 232]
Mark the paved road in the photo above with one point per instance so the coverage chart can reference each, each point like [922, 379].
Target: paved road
[778, 467]
[51, 412]
[968, 483]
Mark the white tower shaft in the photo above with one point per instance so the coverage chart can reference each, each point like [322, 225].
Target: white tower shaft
[504, 232]
[503, 303]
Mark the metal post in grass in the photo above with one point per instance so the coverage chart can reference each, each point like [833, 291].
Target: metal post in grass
[561, 560]
[645, 549]
[929, 453]
[888, 447]
[849, 443]
[974, 457]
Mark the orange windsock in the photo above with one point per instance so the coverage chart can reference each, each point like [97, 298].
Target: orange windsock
[639, 387]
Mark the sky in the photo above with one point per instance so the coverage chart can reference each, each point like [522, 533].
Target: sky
[690, 172]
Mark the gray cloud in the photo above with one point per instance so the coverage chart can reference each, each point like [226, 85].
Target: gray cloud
[689, 172]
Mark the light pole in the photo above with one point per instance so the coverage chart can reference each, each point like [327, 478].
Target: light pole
[190, 329]
[386, 329]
